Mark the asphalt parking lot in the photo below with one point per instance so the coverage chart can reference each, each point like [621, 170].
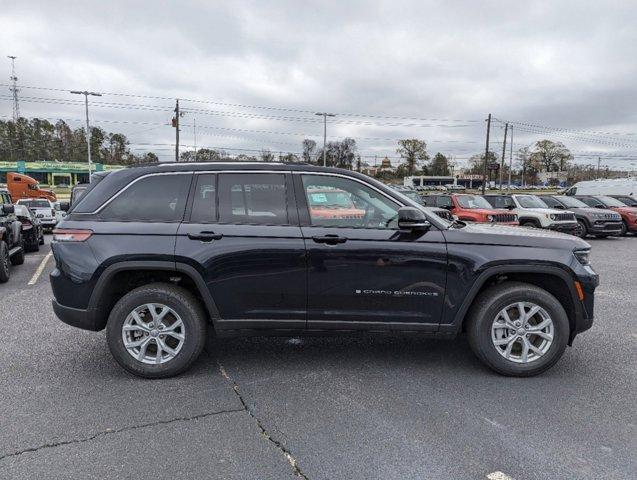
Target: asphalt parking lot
[319, 408]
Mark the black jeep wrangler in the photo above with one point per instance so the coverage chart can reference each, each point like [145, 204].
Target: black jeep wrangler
[158, 254]
[11, 245]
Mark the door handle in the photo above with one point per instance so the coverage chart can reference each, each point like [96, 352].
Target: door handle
[205, 236]
[329, 239]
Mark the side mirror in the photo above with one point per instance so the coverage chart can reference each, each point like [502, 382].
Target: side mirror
[599, 206]
[559, 207]
[510, 207]
[448, 207]
[411, 218]
[8, 209]
[64, 206]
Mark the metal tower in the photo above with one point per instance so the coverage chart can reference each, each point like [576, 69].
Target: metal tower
[14, 89]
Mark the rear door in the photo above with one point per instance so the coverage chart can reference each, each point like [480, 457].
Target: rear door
[363, 272]
[242, 236]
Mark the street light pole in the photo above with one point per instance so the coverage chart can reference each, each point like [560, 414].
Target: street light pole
[88, 128]
[325, 115]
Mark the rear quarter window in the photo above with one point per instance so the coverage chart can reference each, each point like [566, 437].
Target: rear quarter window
[156, 198]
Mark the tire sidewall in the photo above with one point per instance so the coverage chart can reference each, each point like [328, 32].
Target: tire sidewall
[488, 352]
[4, 262]
[194, 329]
[583, 231]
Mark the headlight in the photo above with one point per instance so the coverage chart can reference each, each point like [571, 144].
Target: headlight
[582, 256]
[489, 218]
[553, 216]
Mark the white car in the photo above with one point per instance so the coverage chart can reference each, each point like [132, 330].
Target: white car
[533, 212]
[43, 209]
[59, 214]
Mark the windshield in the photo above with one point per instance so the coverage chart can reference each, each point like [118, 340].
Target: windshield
[530, 201]
[473, 201]
[611, 202]
[571, 202]
[35, 203]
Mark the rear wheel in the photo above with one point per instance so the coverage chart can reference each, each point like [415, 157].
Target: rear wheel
[518, 329]
[4, 262]
[156, 331]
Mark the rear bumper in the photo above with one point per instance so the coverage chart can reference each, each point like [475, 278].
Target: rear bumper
[77, 317]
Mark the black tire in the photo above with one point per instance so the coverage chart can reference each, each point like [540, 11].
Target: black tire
[602, 236]
[40, 241]
[624, 228]
[529, 224]
[4, 262]
[184, 304]
[484, 312]
[18, 258]
[582, 230]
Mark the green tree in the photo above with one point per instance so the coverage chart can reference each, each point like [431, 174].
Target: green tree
[551, 156]
[414, 152]
[439, 165]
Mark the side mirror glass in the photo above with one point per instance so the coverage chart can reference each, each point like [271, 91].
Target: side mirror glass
[64, 206]
[510, 207]
[599, 206]
[411, 218]
[8, 209]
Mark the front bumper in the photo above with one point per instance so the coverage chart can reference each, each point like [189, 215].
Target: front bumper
[77, 317]
[608, 228]
[584, 316]
[568, 227]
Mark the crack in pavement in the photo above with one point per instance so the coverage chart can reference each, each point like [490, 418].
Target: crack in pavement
[109, 431]
[286, 453]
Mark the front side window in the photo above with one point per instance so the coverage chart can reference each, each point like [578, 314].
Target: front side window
[444, 202]
[253, 198]
[157, 198]
[341, 202]
[611, 202]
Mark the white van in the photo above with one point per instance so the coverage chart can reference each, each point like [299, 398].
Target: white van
[617, 186]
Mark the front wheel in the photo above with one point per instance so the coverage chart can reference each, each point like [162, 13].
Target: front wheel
[156, 331]
[580, 231]
[4, 262]
[624, 228]
[518, 329]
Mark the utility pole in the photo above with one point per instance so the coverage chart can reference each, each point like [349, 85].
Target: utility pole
[195, 135]
[599, 163]
[510, 162]
[504, 146]
[486, 157]
[88, 127]
[14, 89]
[325, 115]
[176, 125]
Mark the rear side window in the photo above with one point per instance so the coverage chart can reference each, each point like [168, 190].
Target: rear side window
[204, 205]
[157, 198]
[500, 201]
[253, 198]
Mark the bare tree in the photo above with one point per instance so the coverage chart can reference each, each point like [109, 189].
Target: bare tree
[414, 152]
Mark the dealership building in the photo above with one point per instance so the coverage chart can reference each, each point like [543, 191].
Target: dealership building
[53, 173]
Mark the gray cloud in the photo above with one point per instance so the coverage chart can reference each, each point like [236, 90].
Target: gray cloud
[562, 64]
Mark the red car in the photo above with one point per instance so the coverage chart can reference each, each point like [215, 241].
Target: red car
[629, 214]
[332, 203]
[472, 208]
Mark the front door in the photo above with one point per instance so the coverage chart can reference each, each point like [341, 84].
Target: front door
[244, 239]
[363, 272]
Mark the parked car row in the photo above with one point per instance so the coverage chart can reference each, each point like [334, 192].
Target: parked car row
[22, 227]
[583, 215]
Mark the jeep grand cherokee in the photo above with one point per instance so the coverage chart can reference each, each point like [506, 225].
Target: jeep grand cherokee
[158, 254]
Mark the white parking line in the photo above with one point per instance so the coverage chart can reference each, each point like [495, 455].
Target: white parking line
[499, 476]
[40, 269]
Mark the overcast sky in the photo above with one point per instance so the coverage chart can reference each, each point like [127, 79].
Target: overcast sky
[441, 66]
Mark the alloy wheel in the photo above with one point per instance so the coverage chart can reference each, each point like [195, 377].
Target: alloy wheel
[153, 333]
[522, 332]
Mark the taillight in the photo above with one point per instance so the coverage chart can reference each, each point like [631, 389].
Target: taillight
[71, 235]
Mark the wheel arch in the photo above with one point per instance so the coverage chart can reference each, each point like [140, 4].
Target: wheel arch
[532, 220]
[119, 278]
[554, 280]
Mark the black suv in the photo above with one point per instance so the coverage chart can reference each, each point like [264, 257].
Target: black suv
[11, 245]
[157, 254]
